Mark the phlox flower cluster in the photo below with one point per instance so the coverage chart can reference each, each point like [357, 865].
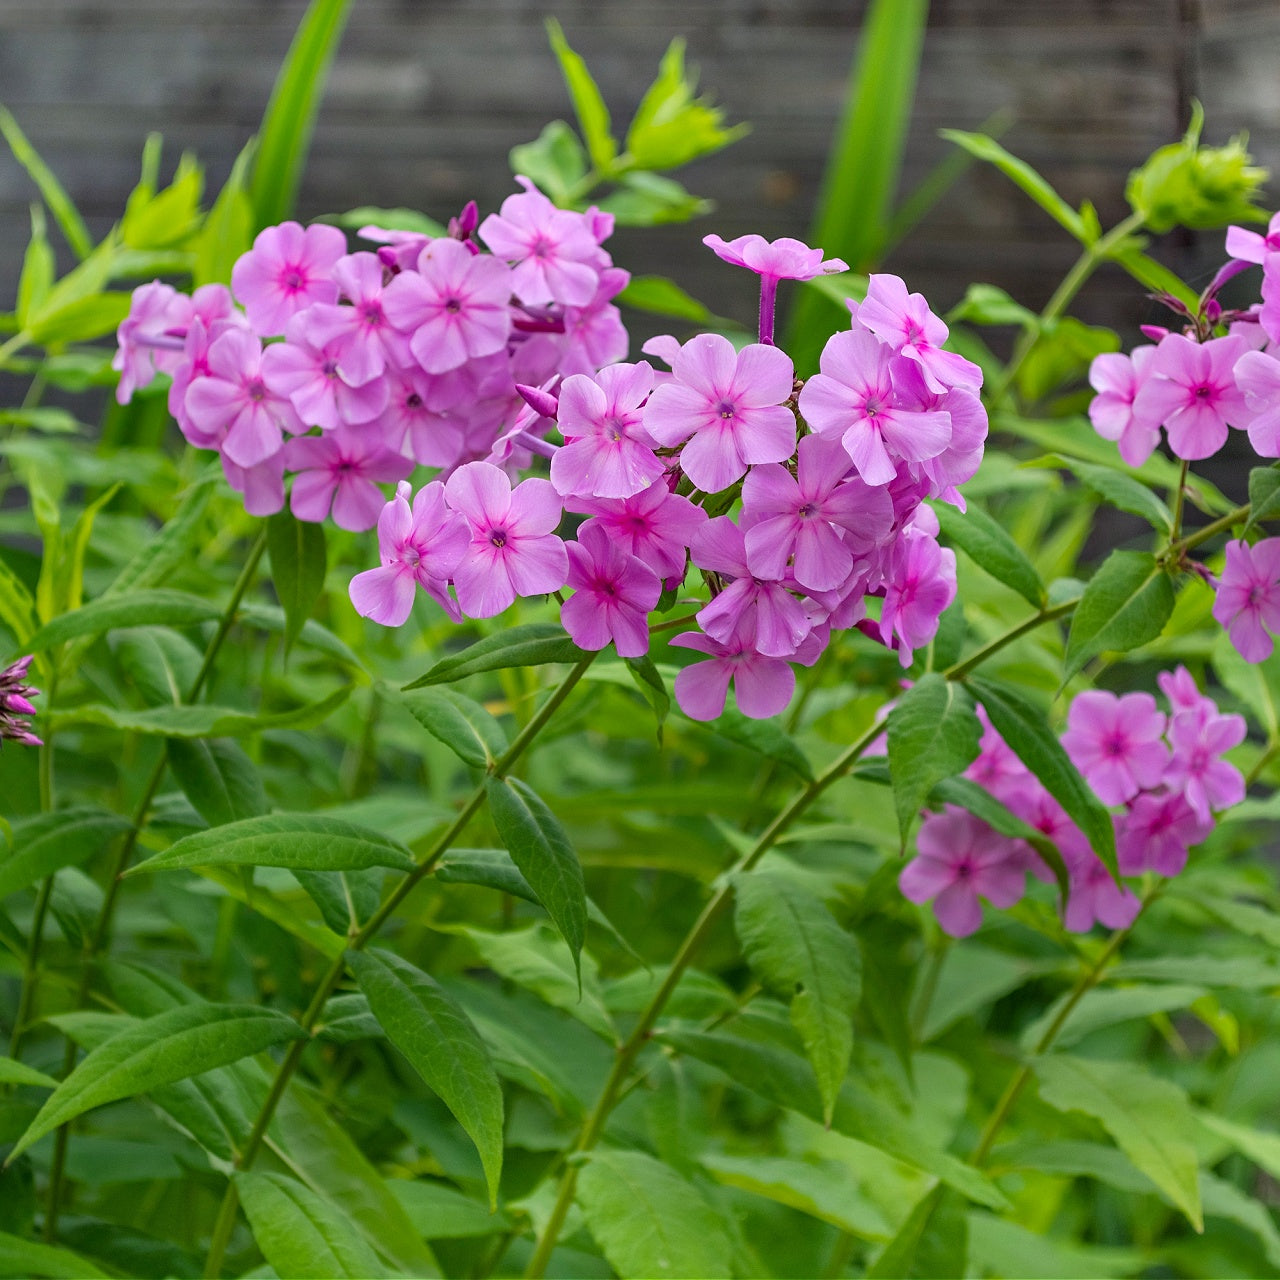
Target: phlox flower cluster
[1161, 773]
[15, 704]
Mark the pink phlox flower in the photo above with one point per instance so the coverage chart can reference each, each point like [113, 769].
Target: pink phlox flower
[150, 338]
[359, 333]
[1117, 378]
[1247, 603]
[921, 586]
[1157, 832]
[730, 407]
[1252, 246]
[962, 457]
[418, 547]
[288, 269]
[16, 705]
[424, 418]
[959, 859]
[608, 453]
[854, 399]
[234, 398]
[342, 469]
[513, 550]
[401, 250]
[997, 768]
[454, 307]
[554, 252]
[1038, 809]
[1196, 770]
[526, 436]
[664, 347]
[1095, 896]
[1258, 377]
[763, 686]
[261, 485]
[761, 610]
[1184, 694]
[1269, 312]
[654, 525]
[1190, 388]
[783, 259]
[594, 335]
[801, 518]
[613, 593]
[308, 374]
[1117, 743]
[905, 324]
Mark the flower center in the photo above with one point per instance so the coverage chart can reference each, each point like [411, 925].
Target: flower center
[453, 306]
[257, 391]
[413, 400]
[727, 410]
[498, 538]
[293, 279]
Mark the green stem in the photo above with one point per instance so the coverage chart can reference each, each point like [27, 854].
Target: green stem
[958, 670]
[226, 1219]
[1211, 530]
[1178, 498]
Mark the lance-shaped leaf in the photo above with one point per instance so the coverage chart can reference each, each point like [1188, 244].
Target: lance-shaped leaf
[461, 723]
[1023, 726]
[1126, 604]
[1148, 1117]
[12, 1072]
[298, 564]
[541, 849]
[933, 734]
[798, 951]
[444, 1048]
[526, 646]
[649, 1220]
[310, 841]
[219, 779]
[19, 1257]
[301, 1234]
[1264, 495]
[185, 1041]
[134, 609]
[50, 841]
[992, 549]
[1117, 489]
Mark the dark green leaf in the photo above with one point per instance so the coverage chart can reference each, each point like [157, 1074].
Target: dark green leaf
[933, 1241]
[1264, 495]
[162, 663]
[492, 868]
[529, 645]
[991, 548]
[767, 737]
[201, 721]
[653, 688]
[47, 842]
[346, 898]
[297, 553]
[170, 547]
[135, 609]
[25, 1259]
[443, 1046]
[441, 1213]
[218, 778]
[1125, 605]
[1118, 489]
[461, 723]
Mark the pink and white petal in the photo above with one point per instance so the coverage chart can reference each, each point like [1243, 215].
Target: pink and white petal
[712, 461]
[765, 434]
[536, 508]
[765, 375]
[707, 363]
[925, 877]
[674, 412]
[630, 627]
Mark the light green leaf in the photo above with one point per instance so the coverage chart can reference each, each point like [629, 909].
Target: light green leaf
[228, 228]
[162, 663]
[443, 1213]
[17, 608]
[300, 1234]
[767, 737]
[1105, 1008]
[798, 951]
[25, 1259]
[461, 723]
[311, 841]
[1264, 495]
[933, 1240]
[1262, 1146]
[554, 162]
[524, 646]
[998, 1246]
[172, 545]
[185, 1041]
[1125, 605]
[297, 552]
[1147, 1116]
[47, 842]
[55, 196]
[38, 267]
[659, 296]
[445, 1049]
[991, 548]
[588, 105]
[12, 1072]
[649, 1220]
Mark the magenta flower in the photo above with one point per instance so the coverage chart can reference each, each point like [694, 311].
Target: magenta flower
[1116, 743]
[594, 335]
[342, 468]
[288, 269]
[1258, 377]
[1250, 246]
[763, 686]
[613, 593]
[801, 519]
[959, 859]
[1156, 834]
[1191, 389]
[455, 307]
[997, 768]
[731, 403]
[361, 337]
[854, 399]
[654, 525]
[921, 585]
[554, 252]
[608, 453]
[150, 337]
[1248, 600]
[1117, 379]
[308, 375]
[1184, 695]
[16, 705]
[418, 548]
[1095, 896]
[261, 485]
[513, 550]
[1196, 771]
[235, 405]
[905, 324]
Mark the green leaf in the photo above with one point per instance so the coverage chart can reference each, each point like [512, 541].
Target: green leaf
[992, 549]
[662, 297]
[492, 868]
[1117, 489]
[38, 267]
[1023, 726]
[933, 734]
[388, 219]
[228, 228]
[80, 320]
[1061, 355]
[301, 1234]
[137, 608]
[529, 645]
[588, 105]
[541, 849]
[987, 304]
[933, 1240]
[17, 608]
[219, 779]
[1125, 605]
[671, 126]
[184, 1041]
[1148, 1117]
[767, 737]
[1001, 1247]
[1262, 1146]
[443, 1046]
[64, 212]
[441, 1213]
[461, 723]
[162, 663]
[310, 841]
[47, 842]
[165, 219]
[1105, 1008]
[1155, 276]
[1264, 495]
[649, 200]
[12, 1072]
[653, 688]
[346, 898]
[285, 135]
[172, 546]
[797, 950]
[649, 1220]
[554, 162]
[26, 1259]
[297, 553]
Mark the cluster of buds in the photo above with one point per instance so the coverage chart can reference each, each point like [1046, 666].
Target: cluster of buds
[15, 704]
